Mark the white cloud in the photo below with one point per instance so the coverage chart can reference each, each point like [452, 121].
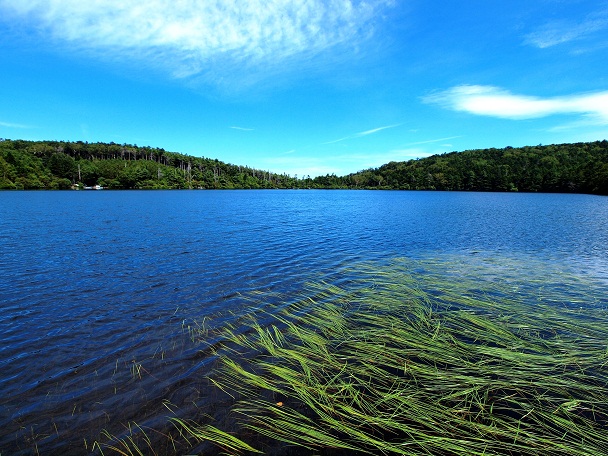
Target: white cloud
[496, 102]
[201, 37]
[242, 128]
[362, 133]
[558, 32]
[375, 130]
[294, 164]
[429, 141]
[338, 140]
[13, 125]
[375, 160]
[341, 164]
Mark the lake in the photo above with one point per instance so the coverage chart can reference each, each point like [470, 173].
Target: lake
[100, 289]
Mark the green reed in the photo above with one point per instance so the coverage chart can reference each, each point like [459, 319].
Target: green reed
[423, 363]
[445, 357]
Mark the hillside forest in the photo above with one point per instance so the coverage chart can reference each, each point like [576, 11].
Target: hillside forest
[567, 168]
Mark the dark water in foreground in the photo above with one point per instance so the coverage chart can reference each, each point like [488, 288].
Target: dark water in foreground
[98, 289]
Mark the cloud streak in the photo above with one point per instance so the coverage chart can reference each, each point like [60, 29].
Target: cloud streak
[242, 128]
[13, 125]
[429, 141]
[362, 133]
[375, 130]
[558, 32]
[496, 102]
[201, 36]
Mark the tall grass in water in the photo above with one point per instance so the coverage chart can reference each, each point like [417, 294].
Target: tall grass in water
[433, 358]
[397, 362]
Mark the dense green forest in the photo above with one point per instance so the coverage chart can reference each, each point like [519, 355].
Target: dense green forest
[579, 167]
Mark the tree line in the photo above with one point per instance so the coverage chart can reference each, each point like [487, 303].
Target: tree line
[569, 168]
[64, 165]
[564, 168]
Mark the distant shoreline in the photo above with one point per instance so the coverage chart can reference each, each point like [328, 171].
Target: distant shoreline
[57, 165]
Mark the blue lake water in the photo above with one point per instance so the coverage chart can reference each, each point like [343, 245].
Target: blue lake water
[98, 289]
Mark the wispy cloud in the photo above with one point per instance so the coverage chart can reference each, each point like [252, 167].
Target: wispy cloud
[362, 133]
[13, 125]
[496, 102]
[378, 159]
[299, 165]
[337, 140]
[375, 130]
[339, 164]
[429, 141]
[242, 128]
[203, 37]
[557, 32]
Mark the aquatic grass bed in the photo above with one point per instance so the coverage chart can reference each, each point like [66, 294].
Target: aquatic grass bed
[408, 359]
[436, 357]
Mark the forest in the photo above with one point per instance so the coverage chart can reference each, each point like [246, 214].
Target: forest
[564, 168]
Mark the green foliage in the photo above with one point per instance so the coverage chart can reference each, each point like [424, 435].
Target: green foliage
[567, 168]
[62, 165]
[580, 167]
[47, 164]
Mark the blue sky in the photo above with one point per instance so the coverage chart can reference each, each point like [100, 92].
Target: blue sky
[306, 87]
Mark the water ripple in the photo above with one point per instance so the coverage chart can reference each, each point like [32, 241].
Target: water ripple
[98, 289]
